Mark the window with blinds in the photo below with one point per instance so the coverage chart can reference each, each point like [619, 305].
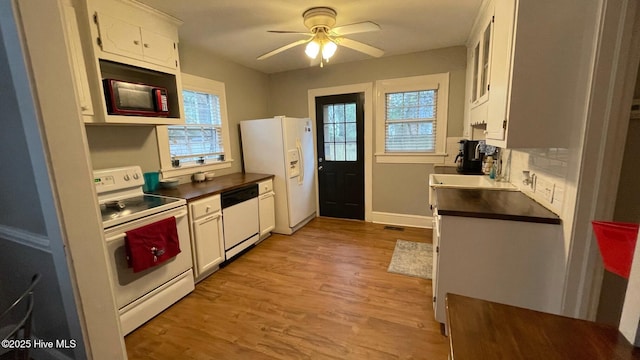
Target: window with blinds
[200, 140]
[410, 121]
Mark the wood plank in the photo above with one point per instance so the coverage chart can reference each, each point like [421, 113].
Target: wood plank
[321, 293]
[492, 204]
[480, 329]
[192, 191]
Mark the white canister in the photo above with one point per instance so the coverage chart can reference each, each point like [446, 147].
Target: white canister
[199, 176]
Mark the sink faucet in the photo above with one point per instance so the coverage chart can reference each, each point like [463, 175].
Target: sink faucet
[477, 155]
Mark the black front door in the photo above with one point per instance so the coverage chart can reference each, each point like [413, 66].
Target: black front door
[340, 132]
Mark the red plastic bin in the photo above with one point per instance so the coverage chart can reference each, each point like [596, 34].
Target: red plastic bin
[616, 241]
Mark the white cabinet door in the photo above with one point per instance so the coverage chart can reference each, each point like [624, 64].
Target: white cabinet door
[266, 204]
[511, 262]
[122, 38]
[158, 49]
[207, 233]
[500, 69]
[119, 37]
[77, 60]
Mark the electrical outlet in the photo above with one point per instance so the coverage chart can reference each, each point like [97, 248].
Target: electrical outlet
[544, 189]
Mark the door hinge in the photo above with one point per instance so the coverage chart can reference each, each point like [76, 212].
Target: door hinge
[176, 63]
[99, 41]
[95, 18]
[434, 299]
[504, 124]
[488, 87]
[437, 249]
[493, 18]
[174, 46]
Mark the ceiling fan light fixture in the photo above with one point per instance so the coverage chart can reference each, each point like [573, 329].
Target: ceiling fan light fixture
[312, 49]
[324, 38]
[328, 49]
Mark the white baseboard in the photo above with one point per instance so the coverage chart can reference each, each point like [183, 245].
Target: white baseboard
[401, 219]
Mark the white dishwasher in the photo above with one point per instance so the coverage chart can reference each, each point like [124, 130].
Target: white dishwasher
[240, 219]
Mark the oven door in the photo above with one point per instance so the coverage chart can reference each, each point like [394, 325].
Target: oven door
[129, 286]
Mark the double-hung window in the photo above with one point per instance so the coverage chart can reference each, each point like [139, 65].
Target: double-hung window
[411, 119]
[203, 141]
[200, 139]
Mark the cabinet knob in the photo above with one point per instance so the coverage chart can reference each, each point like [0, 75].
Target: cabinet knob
[136, 42]
[146, 45]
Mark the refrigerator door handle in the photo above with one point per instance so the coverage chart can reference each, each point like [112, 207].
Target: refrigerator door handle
[301, 159]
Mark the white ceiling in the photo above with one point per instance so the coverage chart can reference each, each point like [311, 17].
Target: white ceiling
[237, 29]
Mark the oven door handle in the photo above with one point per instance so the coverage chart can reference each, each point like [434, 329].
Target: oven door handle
[123, 235]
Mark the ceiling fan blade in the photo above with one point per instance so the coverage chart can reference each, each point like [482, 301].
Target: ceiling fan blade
[361, 27]
[358, 46]
[289, 32]
[283, 48]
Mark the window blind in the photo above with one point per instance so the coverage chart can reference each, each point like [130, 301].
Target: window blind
[410, 121]
[201, 137]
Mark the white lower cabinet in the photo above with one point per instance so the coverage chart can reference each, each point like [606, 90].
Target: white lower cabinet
[511, 262]
[266, 206]
[205, 217]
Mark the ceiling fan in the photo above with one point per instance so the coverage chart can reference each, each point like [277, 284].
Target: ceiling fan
[324, 38]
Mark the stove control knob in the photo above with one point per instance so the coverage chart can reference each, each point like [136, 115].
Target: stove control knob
[126, 177]
[136, 176]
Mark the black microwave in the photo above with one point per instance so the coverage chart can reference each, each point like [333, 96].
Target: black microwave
[127, 98]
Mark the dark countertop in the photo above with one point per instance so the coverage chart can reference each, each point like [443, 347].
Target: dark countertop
[481, 329]
[193, 191]
[492, 204]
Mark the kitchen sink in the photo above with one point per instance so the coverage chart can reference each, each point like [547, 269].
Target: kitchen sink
[465, 182]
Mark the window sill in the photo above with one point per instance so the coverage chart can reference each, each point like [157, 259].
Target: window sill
[194, 168]
[410, 158]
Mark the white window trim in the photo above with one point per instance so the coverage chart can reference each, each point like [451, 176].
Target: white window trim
[414, 83]
[200, 84]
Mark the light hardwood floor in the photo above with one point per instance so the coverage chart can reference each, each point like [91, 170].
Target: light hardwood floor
[322, 293]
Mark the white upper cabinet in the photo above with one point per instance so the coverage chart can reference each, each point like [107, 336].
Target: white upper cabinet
[158, 49]
[134, 43]
[480, 53]
[537, 52]
[479, 48]
[123, 38]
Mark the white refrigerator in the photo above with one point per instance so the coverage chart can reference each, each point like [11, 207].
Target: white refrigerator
[284, 146]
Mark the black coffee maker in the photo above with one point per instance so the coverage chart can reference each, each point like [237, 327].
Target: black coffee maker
[469, 158]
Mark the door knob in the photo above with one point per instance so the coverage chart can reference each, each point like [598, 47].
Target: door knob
[319, 167]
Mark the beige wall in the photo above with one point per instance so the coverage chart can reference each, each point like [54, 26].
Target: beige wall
[246, 90]
[397, 188]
